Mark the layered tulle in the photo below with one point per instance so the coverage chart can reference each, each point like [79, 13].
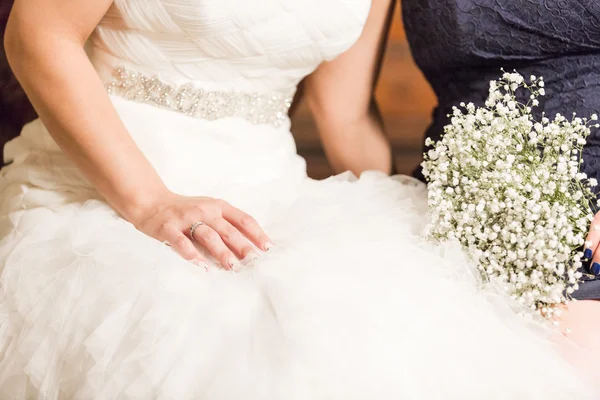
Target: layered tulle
[351, 303]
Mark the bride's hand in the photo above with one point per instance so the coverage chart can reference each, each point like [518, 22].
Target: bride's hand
[227, 233]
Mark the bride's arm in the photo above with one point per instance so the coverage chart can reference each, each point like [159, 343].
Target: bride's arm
[340, 96]
[44, 42]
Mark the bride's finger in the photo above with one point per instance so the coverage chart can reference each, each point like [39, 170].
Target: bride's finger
[211, 240]
[248, 226]
[234, 239]
[183, 245]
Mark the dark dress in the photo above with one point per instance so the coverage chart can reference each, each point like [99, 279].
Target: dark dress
[460, 45]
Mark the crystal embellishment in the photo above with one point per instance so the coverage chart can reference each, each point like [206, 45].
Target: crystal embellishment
[257, 108]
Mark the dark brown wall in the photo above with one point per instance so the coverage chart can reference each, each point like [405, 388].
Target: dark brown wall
[15, 110]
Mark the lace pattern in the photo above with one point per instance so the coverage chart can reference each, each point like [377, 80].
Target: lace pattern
[460, 45]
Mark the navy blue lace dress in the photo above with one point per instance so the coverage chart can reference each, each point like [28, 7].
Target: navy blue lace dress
[460, 45]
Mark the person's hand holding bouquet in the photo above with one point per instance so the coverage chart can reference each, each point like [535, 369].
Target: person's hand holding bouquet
[510, 190]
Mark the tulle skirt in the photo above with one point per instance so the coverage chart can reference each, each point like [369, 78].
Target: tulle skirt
[351, 303]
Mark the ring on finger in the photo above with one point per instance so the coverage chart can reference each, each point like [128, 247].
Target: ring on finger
[193, 228]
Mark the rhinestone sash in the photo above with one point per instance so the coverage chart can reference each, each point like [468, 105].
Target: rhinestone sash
[257, 108]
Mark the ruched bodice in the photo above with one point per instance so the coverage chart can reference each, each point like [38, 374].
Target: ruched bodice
[229, 44]
[236, 50]
[461, 45]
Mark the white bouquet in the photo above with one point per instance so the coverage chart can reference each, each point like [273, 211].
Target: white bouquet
[510, 190]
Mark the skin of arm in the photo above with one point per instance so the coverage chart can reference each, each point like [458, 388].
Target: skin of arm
[340, 96]
[44, 43]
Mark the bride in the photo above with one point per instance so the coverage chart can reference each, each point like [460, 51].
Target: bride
[162, 241]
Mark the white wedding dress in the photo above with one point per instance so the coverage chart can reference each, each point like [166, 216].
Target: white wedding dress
[351, 303]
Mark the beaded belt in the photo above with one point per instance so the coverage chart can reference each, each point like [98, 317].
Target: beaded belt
[257, 108]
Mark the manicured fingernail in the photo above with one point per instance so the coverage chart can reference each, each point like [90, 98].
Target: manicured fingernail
[234, 264]
[588, 253]
[268, 246]
[200, 263]
[595, 268]
[250, 257]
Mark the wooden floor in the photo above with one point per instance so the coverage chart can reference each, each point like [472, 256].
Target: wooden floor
[405, 99]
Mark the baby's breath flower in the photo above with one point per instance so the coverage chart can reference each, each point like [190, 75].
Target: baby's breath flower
[521, 213]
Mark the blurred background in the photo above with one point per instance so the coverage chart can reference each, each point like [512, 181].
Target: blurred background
[403, 95]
